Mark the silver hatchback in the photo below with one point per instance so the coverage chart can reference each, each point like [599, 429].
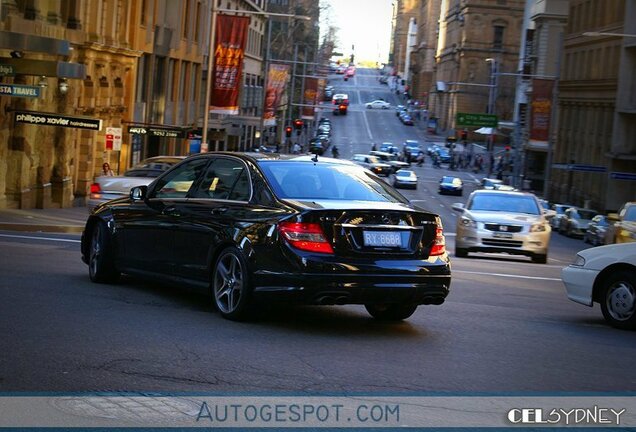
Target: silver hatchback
[502, 221]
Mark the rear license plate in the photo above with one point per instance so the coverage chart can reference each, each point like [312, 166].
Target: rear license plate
[382, 238]
[502, 235]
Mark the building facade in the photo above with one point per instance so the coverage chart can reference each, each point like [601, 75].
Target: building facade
[594, 160]
[478, 40]
[405, 11]
[423, 57]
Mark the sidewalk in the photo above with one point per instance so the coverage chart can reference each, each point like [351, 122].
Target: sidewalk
[67, 220]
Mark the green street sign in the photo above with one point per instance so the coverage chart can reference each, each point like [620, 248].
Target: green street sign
[476, 120]
[6, 70]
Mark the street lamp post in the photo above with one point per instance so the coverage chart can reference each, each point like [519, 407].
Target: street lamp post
[492, 109]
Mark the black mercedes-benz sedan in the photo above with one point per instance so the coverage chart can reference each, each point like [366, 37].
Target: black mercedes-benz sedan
[248, 228]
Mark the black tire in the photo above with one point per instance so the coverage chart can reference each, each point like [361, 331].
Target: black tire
[461, 252]
[231, 286]
[391, 312]
[540, 258]
[618, 299]
[101, 256]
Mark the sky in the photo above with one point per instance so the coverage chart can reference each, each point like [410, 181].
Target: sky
[365, 24]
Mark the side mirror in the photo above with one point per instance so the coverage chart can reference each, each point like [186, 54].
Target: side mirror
[138, 193]
[458, 207]
[613, 217]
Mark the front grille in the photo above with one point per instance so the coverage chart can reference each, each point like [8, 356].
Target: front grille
[502, 242]
[506, 228]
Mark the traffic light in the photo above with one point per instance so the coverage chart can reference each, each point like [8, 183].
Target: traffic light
[464, 135]
[507, 148]
[298, 124]
[288, 131]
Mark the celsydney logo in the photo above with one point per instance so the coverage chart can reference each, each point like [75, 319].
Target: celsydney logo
[594, 415]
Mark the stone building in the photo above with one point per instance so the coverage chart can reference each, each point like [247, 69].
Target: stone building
[405, 10]
[478, 40]
[101, 65]
[594, 160]
[423, 57]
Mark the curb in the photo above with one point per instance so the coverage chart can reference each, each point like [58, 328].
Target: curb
[69, 229]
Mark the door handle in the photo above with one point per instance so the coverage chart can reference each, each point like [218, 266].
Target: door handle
[170, 211]
[219, 210]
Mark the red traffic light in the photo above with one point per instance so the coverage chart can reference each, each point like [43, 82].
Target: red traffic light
[288, 131]
[507, 148]
[298, 124]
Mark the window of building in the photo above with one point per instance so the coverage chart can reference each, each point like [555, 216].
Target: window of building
[143, 12]
[185, 25]
[498, 38]
[182, 81]
[197, 22]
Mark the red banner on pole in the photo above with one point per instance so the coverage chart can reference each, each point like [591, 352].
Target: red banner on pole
[309, 97]
[541, 109]
[229, 50]
[276, 82]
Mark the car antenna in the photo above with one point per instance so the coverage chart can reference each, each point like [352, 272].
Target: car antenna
[315, 158]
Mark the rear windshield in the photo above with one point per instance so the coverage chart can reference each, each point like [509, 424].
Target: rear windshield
[504, 203]
[325, 181]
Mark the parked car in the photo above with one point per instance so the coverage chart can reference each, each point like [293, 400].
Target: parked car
[316, 146]
[388, 147]
[503, 222]
[405, 178]
[406, 119]
[247, 228]
[372, 163]
[605, 275]
[411, 150]
[490, 183]
[559, 212]
[597, 230]
[106, 188]
[451, 185]
[391, 159]
[624, 228]
[378, 104]
[575, 221]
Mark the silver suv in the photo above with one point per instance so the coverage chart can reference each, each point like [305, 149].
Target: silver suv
[502, 221]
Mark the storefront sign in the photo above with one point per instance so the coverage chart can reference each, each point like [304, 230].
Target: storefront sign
[49, 119]
[17, 90]
[6, 70]
[156, 131]
[113, 138]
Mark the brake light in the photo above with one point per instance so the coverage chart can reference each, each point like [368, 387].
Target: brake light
[305, 236]
[439, 245]
[95, 188]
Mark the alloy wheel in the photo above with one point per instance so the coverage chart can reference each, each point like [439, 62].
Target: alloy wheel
[228, 283]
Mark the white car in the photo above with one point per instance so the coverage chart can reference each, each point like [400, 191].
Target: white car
[380, 104]
[106, 188]
[502, 222]
[605, 275]
[405, 178]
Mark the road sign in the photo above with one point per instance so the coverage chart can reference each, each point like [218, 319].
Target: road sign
[476, 120]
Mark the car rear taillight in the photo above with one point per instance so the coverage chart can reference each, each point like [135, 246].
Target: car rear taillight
[95, 188]
[439, 245]
[305, 236]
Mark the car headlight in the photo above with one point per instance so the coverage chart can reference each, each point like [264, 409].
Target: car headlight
[538, 227]
[468, 222]
[579, 261]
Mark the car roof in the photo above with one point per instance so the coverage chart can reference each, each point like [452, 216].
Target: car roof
[501, 192]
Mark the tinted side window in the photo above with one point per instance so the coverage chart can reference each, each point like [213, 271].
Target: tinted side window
[177, 183]
[225, 179]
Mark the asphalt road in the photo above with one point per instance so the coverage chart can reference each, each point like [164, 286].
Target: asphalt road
[507, 325]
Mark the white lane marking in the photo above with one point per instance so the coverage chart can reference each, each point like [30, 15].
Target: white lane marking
[507, 275]
[41, 238]
[366, 123]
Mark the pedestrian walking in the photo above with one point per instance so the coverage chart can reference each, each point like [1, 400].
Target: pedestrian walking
[106, 171]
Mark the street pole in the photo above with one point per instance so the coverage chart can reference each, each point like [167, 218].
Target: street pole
[266, 83]
[208, 83]
[293, 89]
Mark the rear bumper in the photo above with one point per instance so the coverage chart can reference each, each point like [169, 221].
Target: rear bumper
[359, 289]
